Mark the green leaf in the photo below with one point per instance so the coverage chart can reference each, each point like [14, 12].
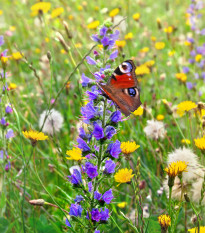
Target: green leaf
[4, 224]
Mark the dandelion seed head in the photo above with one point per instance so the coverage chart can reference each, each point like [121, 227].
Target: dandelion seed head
[155, 129]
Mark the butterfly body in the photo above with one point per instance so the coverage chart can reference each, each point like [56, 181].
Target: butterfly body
[122, 88]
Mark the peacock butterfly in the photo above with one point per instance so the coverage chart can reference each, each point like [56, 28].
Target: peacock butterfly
[122, 88]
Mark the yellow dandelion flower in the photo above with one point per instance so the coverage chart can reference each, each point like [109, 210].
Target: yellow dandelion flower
[160, 117]
[93, 25]
[114, 12]
[181, 77]
[57, 12]
[129, 147]
[176, 168]
[187, 43]
[70, 17]
[12, 28]
[153, 38]
[185, 106]
[164, 221]
[1, 12]
[201, 113]
[200, 143]
[136, 16]
[96, 8]
[75, 154]
[129, 36]
[198, 57]
[17, 56]
[168, 30]
[120, 43]
[144, 50]
[34, 136]
[139, 111]
[12, 86]
[4, 60]
[159, 45]
[47, 39]
[194, 230]
[78, 45]
[141, 70]
[63, 51]
[123, 176]
[171, 53]
[185, 141]
[149, 63]
[80, 8]
[41, 7]
[37, 50]
[122, 204]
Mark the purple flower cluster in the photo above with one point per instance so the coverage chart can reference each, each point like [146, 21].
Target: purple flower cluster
[95, 142]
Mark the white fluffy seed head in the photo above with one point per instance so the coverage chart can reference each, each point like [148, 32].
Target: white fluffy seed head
[155, 129]
[53, 122]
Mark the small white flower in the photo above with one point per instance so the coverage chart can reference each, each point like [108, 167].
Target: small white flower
[53, 122]
[155, 129]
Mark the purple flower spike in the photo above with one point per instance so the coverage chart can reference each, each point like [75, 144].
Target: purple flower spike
[8, 166]
[97, 231]
[91, 61]
[85, 80]
[95, 38]
[10, 134]
[95, 215]
[98, 132]
[1, 154]
[107, 196]
[105, 41]
[3, 121]
[114, 149]
[110, 131]
[83, 145]
[114, 55]
[8, 109]
[104, 214]
[75, 178]
[91, 170]
[90, 186]
[1, 40]
[116, 116]
[109, 167]
[103, 31]
[185, 69]
[97, 195]
[75, 210]
[67, 223]
[78, 199]
[189, 85]
[89, 112]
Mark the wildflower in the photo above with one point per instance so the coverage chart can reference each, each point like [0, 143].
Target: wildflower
[75, 210]
[185, 106]
[104, 215]
[176, 168]
[85, 80]
[122, 204]
[75, 154]
[129, 147]
[155, 129]
[67, 223]
[198, 57]
[181, 76]
[129, 36]
[12, 86]
[153, 38]
[200, 143]
[120, 43]
[97, 195]
[40, 7]
[114, 12]
[83, 145]
[185, 141]
[138, 112]
[109, 132]
[34, 136]
[47, 39]
[53, 123]
[78, 199]
[144, 50]
[116, 117]
[109, 167]
[168, 30]
[159, 45]
[91, 170]
[75, 178]
[164, 221]
[1, 12]
[193, 230]
[107, 196]
[9, 134]
[8, 109]
[136, 16]
[123, 176]
[93, 25]
[114, 55]
[57, 12]
[17, 56]
[90, 186]
[95, 215]
[114, 149]
[141, 70]
[171, 53]
[98, 132]
[160, 117]
[90, 61]
[149, 63]
[1, 40]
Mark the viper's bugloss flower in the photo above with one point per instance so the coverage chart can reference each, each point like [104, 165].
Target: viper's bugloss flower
[104, 214]
[85, 80]
[123, 176]
[75, 178]
[75, 154]
[1, 40]
[90, 186]
[75, 210]
[97, 195]
[67, 223]
[98, 131]
[110, 131]
[114, 55]
[95, 215]
[10, 134]
[89, 112]
[8, 109]
[109, 167]
[164, 221]
[78, 199]
[83, 145]
[91, 61]
[116, 116]
[3, 122]
[108, 196]
[129, 147]
[114, 149]
[8, 166]
[91, 170]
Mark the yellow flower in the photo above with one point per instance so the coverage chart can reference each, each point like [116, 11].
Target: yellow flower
[34, 136]
[171, 53]
[144, 50]
[122, 204]
[200, 143]
[80, 8]
[139, 111]
[164, 221]
[17, 56]
[120, 43]
[185, 141]
[195, 230]
[198, 57]
[136, 16]
[160, 117]
[123, 176]
[159, 45]
[70, 17]
[12, 28]
[176, 168]
[1, 12]
[96, 8]
[12, 86]
[93, 25]
[168, 29]
[114, 12]
[149, 63]
[75, 154]
[201, 113]
[56, 12]
[129, 36]
[37, 50]
[40, 7]
[185, 106]
[4, 60]
[187, 43]
[153, 38]
[78, 45]
[47, 40]
[181, 76]
[129, 147]
[141, 70]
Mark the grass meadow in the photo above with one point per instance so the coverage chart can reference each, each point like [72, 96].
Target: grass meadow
[51, 108]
